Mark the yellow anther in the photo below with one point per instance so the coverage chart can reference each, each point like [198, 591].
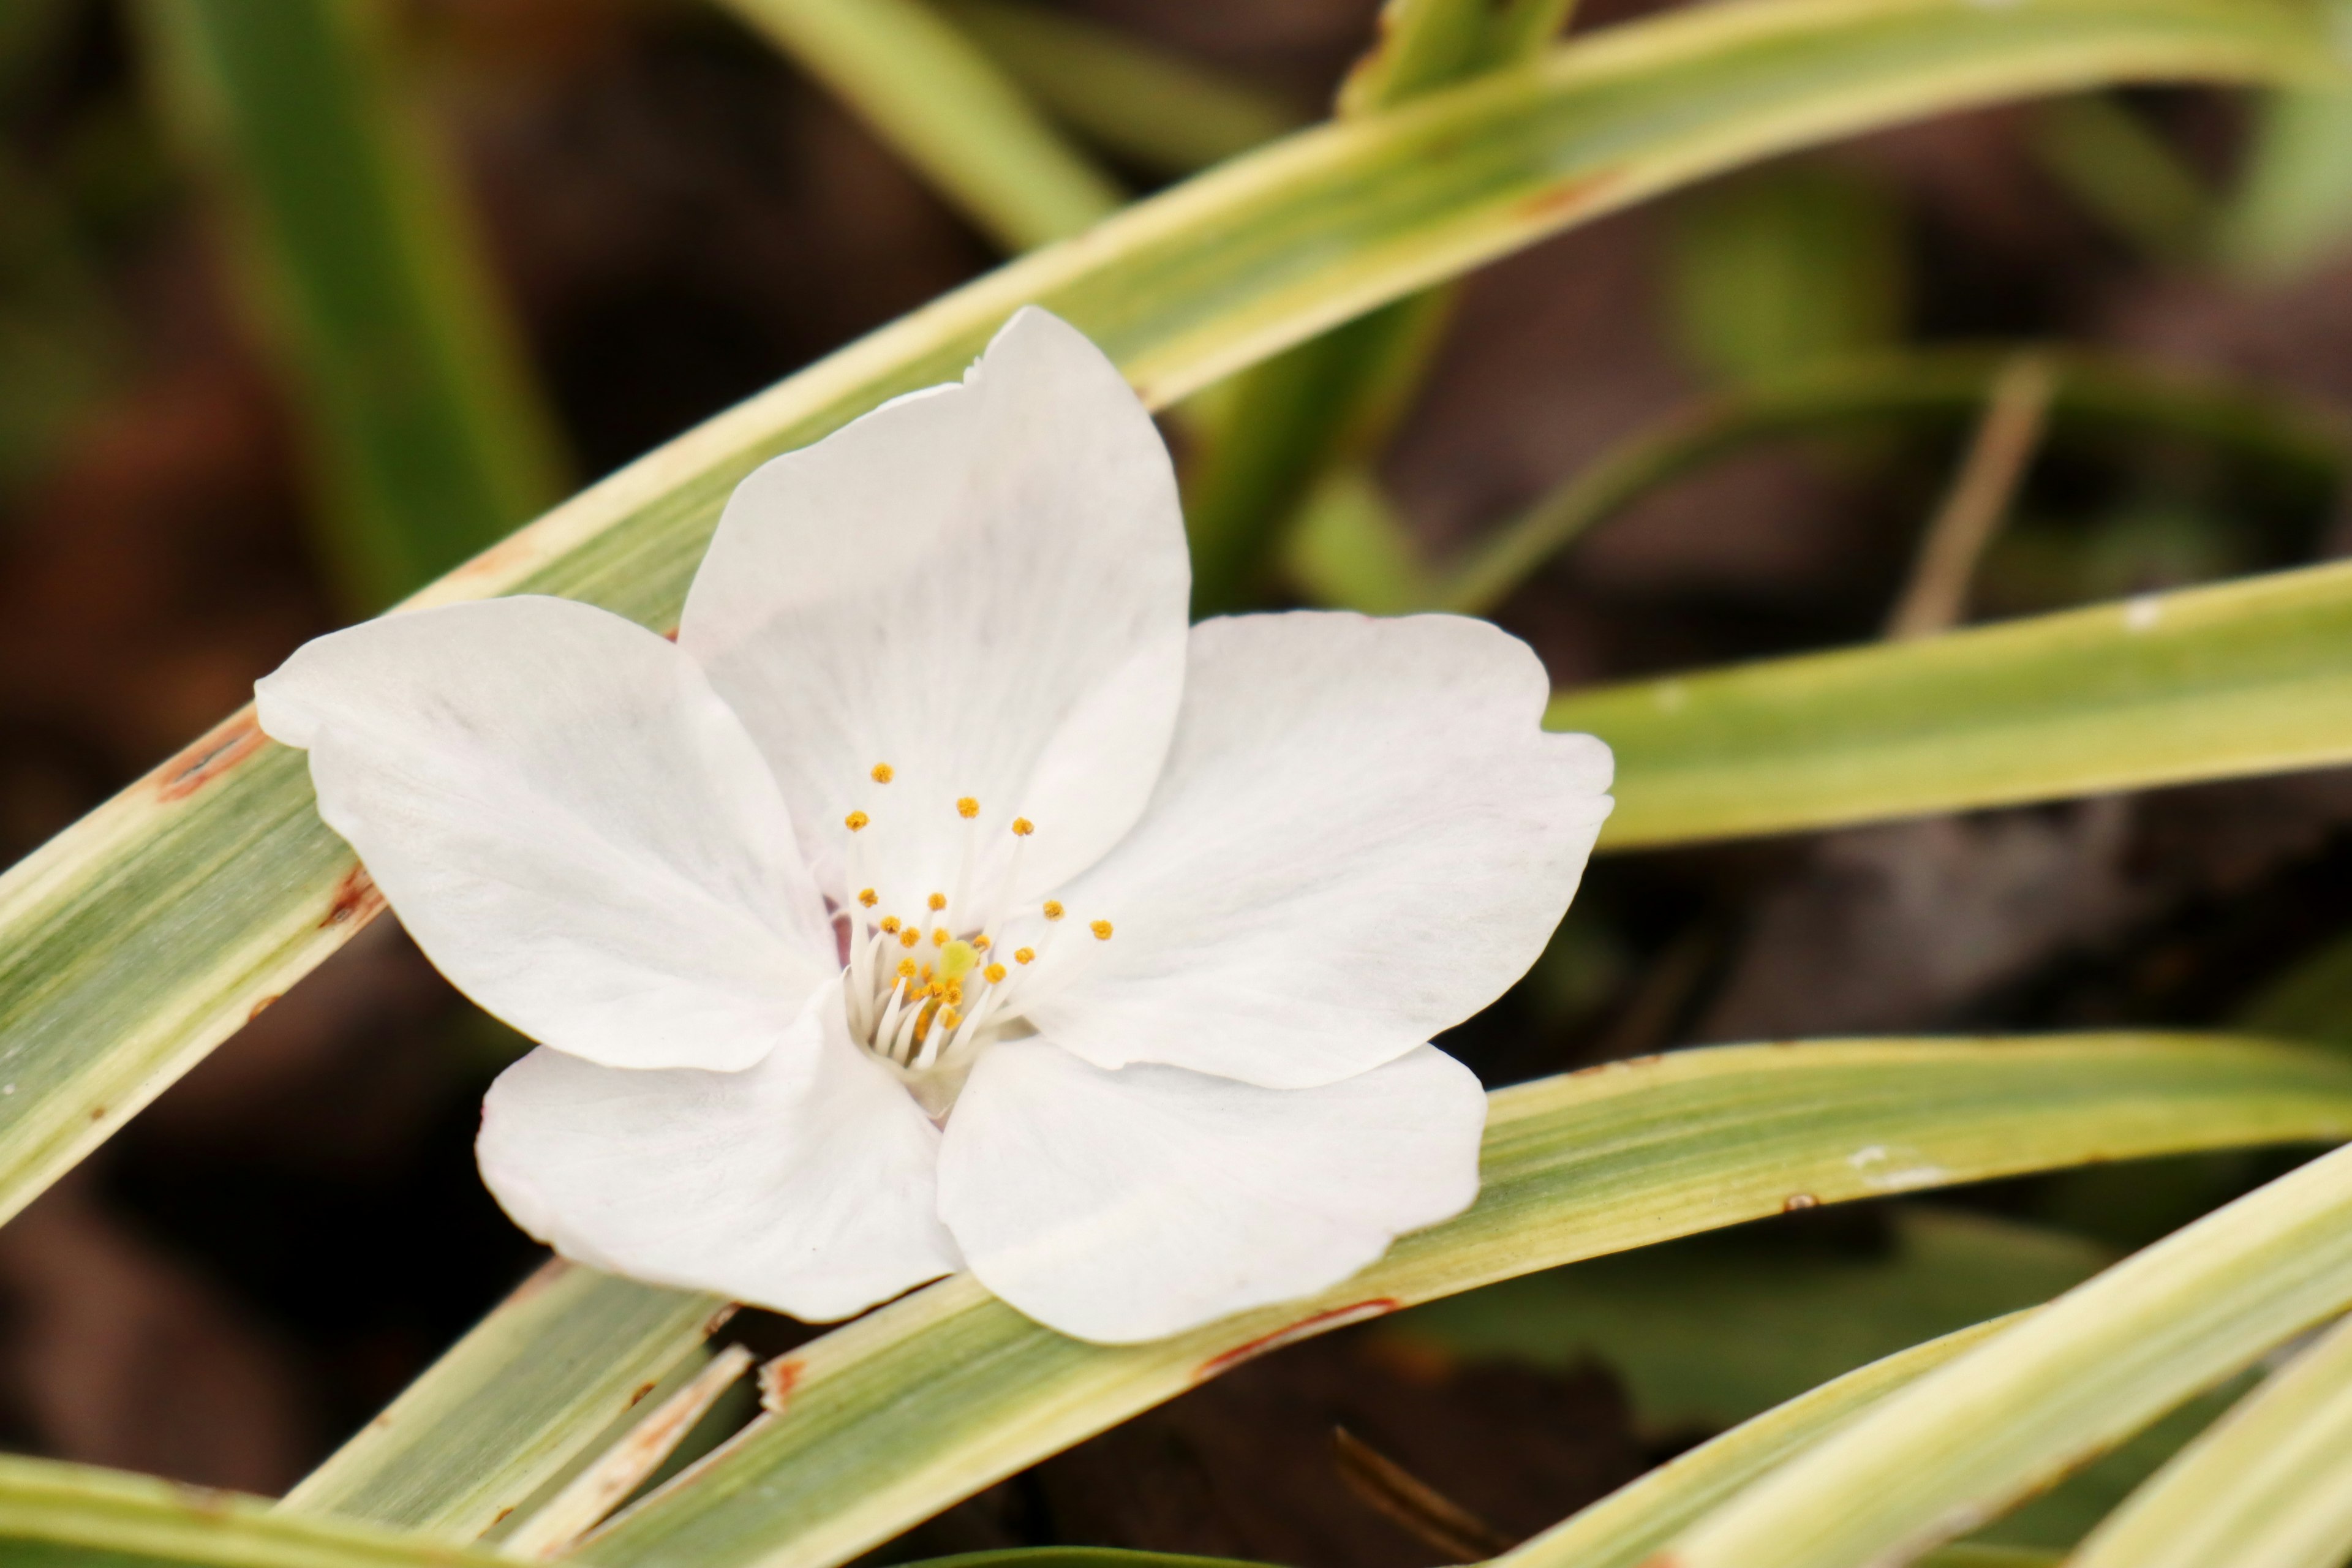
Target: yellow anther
[881, 774]
[966, 808]
[868, 897]
[1023, 828]
[1053, 909]
[939, 937]
[910, 937]
[1101, 929]
[938, 902]
[980, 942]
[1024, 954]
[856, 821]
[958, 959]
[955, 994]
[890, 924]
[949, 1019]
[935, 989]
[906, 969]
[995, 973]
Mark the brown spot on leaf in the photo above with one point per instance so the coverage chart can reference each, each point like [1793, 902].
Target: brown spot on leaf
[777, 1381]
[98, 1113]
[261, 1006]
[642, 1390]
[1556, 203]
[1320, 1323]
[355, 899]
[221, 750]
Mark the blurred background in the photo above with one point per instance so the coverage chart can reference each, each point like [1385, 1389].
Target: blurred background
[303, 301]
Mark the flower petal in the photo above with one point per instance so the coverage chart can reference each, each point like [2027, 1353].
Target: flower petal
[569, 821]
[1127, 1205]
[1361, 837]
[805, 1184]
[982, 585]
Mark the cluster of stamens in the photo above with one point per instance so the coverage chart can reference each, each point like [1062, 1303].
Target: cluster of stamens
[926, 991]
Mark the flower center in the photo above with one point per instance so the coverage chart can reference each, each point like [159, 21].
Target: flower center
[929, 990]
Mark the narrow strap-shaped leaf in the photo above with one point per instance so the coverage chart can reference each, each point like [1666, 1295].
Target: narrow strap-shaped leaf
[425, 429]
[1965, 1441]
[930, 93]
[1146, 105]
[902, 1413]
[2252, 676]
[1624, 1527]
[514, 1402]
[68, 1516]
[145, 934]
[2268, 1486]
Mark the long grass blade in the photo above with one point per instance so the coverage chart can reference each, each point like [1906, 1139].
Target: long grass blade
[1624, 1527]
[1133, 101]
[1967, 1441]
[2269, 1486]
[517, 1405]
[930, 93]
[73, 1516]
[2248, 677]
[428, 434]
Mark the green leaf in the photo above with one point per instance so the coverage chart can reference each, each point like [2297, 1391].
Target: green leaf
[72, 1516]
[1783, 269]
[1709, 1330]
[2293, 210]
[2127, 174]
[1349, 547]
[2248, 677]
[1331, 402]
[1967, 1440]
[930, 92]
[1625, 1528]
[930, 1399]
[516, 1405]
[2270, 1486]
[426, 432]
[1130, 99]
[145, 934]
[2303, 448]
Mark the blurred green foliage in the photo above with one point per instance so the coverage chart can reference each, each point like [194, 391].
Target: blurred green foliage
[427, 438]
[1709, 1330]
[1784, 268]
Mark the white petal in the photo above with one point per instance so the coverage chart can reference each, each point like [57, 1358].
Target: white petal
[982, 585]
[805, 1184]
[1361, 838]
[1127, 1205]
[569, 821]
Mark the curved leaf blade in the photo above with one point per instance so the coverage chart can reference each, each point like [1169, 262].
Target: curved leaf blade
[1624, 1527]
[1969, 1439]
[2247, 677]
[930, 1399]
[510, 1407]
[2269, 1486]
[61, 1515]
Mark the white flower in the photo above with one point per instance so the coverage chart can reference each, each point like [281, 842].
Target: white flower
[935, 686]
